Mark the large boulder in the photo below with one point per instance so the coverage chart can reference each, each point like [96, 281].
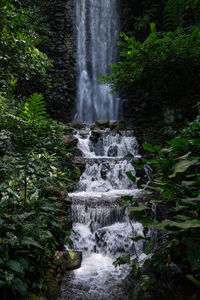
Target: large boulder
[103, 122]
[70, 259]
[80, 163]
[95, 135]
[94, 127]
[77, 125]
[77, 153]
[112, 151]
[70, 141]
[118, 126]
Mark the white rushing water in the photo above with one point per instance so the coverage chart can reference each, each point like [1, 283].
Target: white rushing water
[101, 225]
[97, 23]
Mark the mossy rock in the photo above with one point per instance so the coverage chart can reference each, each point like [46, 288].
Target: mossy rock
[103, 124]
[53, 289]
[77, 125]
[69, 140]
[118, 126]
[70, 259]
[35, 297]
[94, 127]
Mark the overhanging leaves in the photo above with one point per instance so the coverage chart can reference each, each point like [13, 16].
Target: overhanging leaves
[182, 166]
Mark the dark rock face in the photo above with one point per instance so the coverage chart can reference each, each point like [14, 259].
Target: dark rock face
[119, 125]
[63, 54]
[104, 170]
[113, 151]
[77, 125]
[71, 259]
[70, 141]
[103, 123]
[95, 135]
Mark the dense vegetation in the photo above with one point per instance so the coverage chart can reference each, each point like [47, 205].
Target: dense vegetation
[175, 182]
[33, 158]
[164, 66]
[160, 60]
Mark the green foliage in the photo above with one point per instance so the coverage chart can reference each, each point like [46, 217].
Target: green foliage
[181, 13]
[32, 163]
[176, 178]
[137, 14]
[165, 66]
[19, 55]
[34, 111]
[173, 14]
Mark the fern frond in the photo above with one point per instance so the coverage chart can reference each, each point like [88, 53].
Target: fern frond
[173, 14]
[34, 111]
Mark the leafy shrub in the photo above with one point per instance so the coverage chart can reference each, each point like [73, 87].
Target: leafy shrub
[165, 66]
[19, 55]
[32, 160]
[176, 178]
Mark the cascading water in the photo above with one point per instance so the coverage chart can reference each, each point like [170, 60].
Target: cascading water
[101, 225]
[97, 23]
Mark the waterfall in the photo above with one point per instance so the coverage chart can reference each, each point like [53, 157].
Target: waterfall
[101, 228]
[97, 23]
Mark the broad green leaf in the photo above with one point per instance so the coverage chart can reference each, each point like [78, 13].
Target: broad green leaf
[182, 218]
[152, 188]
[25, 264]
[156, 201]
[185, 156]
[127, 198]
[138, 208]
[196, 142]
[150, 148]
[179, 144]
[191, 201]
[193, 279]
[182, 166]
[138, 238]
[122, 260]
[193, 223]
[34, 195]
[19, 286]
[15, 266]
[147, 222]
[188, 183]
[131, 177]
[145, 282]
[30, 242]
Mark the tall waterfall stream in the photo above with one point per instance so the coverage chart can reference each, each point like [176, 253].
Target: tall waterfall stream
[101, 226]
[98, 26]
